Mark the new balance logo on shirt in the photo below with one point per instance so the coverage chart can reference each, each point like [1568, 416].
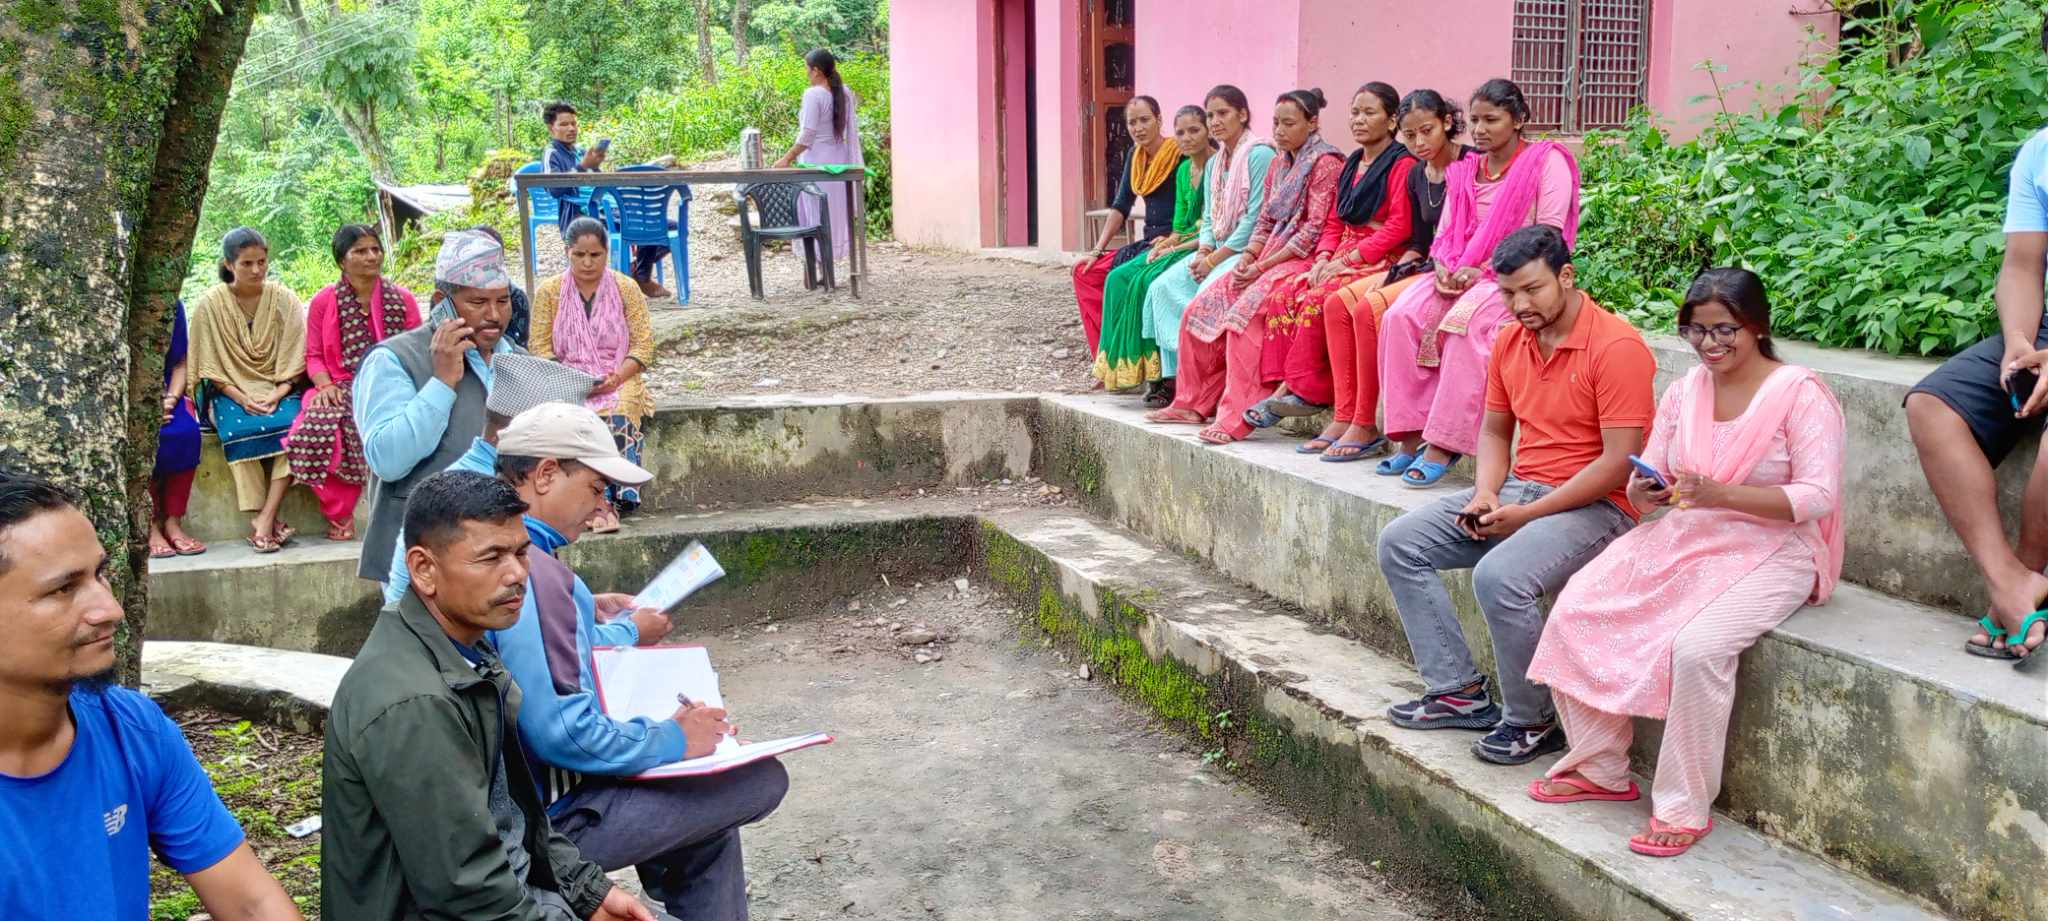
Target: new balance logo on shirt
[116, 819]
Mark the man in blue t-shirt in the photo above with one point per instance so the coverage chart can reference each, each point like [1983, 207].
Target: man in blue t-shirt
[93, 777]
[1968, 414]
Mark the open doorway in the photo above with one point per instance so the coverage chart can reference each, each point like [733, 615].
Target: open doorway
[1016, 123]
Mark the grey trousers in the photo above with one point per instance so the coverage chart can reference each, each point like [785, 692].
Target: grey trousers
[682, 835]
[1510, 576]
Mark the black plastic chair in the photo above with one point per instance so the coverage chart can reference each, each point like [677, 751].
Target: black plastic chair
[777, 202]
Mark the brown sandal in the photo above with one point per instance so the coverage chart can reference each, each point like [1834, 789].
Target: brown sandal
[341, 532]
[264, 543]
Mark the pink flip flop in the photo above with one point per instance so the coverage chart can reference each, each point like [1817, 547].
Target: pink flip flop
[1587, 792]
[1640, 846]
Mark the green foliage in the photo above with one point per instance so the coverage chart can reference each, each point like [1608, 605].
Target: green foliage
[1874, 217]
[835, 24]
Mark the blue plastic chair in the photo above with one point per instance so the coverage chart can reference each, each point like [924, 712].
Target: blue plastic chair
[639, 217]
[547, 212]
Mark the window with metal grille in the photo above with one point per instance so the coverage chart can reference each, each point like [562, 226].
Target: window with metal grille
[1582, 63]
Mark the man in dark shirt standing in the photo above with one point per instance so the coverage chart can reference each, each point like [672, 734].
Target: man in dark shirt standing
[565, 157]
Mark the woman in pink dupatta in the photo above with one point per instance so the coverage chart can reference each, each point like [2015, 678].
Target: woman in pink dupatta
[1654, 625]
[1223, 335]
[591, 319]
[1435, 338]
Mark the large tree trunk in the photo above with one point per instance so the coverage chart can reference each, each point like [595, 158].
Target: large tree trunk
[707, 62]
[742, 17]
[107, 129]
[361, 127]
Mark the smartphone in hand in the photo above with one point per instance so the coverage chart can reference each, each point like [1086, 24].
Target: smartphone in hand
[2019, 385]
[1648, 471]
[604, 143]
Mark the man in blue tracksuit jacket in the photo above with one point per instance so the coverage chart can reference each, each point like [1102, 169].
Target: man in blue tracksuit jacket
[681, 834]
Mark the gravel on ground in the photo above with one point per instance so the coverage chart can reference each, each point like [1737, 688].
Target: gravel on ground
[929, 319]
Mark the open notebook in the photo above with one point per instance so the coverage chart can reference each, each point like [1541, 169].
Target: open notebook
[643, 681]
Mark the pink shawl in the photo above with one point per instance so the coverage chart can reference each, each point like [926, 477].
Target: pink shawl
[1234, 184]
[595, 342]
[1461, 241]
[1693, 445]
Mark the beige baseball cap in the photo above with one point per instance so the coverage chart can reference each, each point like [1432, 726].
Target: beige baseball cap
[566, 431]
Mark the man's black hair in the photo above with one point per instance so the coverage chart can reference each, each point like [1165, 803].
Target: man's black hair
[24, 496]
[1536, 241]
[441, 504]
[554, 111]
[515, 468]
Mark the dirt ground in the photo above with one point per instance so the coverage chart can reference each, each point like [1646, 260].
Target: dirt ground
[270, 779]
[928, 320]
[995, 783]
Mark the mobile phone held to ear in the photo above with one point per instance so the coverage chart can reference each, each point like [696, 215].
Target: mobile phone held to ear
[1651, 472]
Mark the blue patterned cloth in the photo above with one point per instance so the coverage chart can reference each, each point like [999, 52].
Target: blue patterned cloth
[246, 437]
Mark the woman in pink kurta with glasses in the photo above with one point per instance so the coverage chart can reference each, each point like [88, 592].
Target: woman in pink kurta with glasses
[1653, 627]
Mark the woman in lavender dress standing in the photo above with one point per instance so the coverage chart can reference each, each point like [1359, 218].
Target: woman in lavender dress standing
[827, 135]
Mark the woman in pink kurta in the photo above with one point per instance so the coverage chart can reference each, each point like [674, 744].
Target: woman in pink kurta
[1436, 338]
[1654, 625]
[342, 322]
[827, 135]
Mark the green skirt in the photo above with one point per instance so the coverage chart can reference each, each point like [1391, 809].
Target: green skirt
[1126, 357]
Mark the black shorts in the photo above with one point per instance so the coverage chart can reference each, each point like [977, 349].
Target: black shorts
[1969, 383]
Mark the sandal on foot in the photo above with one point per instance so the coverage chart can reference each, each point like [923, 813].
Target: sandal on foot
[1215, 436]
[2018, 637]
[284, 533]
[1172, 416]
[1587, 791]
[161, 551]
[339, 533]
[1398, 464]
[187, 546]
[1640, 845]
[264, 543]
[1316, 445]
[1425, 473]
[1993, 649]
[1259, 417]
[1160, 394]
[1291, 406]
[1366, 449]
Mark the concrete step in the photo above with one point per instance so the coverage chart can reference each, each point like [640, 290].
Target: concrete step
[1301, 710]
[753, 451]
[1861, 730]
[278, 686]
[308, 598]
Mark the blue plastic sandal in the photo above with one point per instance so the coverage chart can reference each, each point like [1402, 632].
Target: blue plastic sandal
[1425, 473]
[1396, 465]
[1365, 449]
[1310, 446]
[1261, 418]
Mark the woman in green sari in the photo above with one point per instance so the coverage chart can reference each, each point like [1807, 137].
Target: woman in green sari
[1126, 357]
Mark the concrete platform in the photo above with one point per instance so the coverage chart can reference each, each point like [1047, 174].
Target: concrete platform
[307, 597]
[1301, 710]
[1861, 730]
[292, 689]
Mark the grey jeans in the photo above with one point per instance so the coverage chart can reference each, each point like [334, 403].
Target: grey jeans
[1510, 576]
[681, 834]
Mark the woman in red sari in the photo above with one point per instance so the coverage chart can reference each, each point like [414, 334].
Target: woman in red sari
[343, 322]
[1223, 334]
[1367, 225]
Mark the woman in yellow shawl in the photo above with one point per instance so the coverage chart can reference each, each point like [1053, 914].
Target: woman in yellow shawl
[248, 361]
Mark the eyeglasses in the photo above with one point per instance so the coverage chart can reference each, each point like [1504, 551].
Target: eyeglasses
[1724, 333]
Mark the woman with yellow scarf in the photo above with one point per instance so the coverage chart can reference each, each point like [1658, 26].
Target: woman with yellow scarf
[1152, 162]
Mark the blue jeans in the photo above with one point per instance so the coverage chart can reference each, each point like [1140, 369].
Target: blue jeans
[1510, 576]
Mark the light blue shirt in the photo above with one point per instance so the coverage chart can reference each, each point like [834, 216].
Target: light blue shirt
[401, 425]
[482, 457]
[2026, 198]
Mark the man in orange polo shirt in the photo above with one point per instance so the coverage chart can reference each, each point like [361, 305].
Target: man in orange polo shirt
[1577, 382]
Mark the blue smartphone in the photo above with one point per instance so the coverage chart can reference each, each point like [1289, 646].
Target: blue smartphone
[604, 143]
[1646, 470]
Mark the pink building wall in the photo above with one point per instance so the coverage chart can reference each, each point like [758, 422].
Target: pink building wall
[1265, 47]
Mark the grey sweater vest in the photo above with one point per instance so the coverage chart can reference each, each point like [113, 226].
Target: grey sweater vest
[414, 350]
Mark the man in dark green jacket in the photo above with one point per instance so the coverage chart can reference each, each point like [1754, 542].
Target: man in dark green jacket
[429, 807]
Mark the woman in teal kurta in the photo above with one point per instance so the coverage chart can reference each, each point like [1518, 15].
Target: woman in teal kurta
[1127, 357]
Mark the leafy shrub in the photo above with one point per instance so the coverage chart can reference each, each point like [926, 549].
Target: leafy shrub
[1874, 217]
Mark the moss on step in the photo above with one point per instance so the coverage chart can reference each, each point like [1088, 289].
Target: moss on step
[1327, 783]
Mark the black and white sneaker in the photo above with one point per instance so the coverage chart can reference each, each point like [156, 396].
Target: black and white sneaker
[1456, 710]
[1519, 744]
